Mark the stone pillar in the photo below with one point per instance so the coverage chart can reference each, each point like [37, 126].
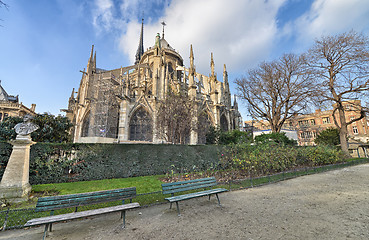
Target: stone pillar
[194, 138]
[14, 186]
[123, 121]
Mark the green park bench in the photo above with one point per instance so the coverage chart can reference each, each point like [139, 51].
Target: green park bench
[203, 183]
[82, 199]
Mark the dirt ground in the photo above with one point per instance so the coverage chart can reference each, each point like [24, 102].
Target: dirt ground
[331, 205]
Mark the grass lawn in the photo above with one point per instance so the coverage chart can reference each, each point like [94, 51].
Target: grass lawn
[144, 184]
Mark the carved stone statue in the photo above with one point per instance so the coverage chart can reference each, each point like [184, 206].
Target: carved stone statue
[26, 127]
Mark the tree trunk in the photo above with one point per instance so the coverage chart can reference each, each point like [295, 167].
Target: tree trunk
[343, 131]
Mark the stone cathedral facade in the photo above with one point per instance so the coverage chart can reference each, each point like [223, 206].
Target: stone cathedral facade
[121, 105]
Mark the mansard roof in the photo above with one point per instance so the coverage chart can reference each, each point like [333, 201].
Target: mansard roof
[4, 96]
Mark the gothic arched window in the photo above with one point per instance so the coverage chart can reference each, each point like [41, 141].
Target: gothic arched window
[223, 123]
[203, 126]
[140, 126]
[85, 125]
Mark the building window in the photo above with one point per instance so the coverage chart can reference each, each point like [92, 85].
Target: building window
[307, 135]
[303, 123]
[223, 123]
[326, 120]
[312, 122]
[1, 115]
[354, 129]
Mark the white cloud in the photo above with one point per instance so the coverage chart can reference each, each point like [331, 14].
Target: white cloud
[103, 15]
[332, 17]
[239, 33]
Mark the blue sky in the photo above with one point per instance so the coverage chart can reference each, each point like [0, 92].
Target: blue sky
[45, 43]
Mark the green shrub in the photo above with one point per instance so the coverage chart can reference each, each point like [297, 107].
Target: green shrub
[5, 151]
[51, 128]
[217, 136]
[329, 136]
[279, 138]
[270, 157]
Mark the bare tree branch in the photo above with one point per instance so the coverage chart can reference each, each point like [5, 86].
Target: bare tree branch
[341, 65]
[278, 90]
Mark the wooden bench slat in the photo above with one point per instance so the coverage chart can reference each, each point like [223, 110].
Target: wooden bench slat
[86, 199]
[196, 194]
[77, 195]
[75, 215]
[199, 184]
[188, 187]
[189, 181]
[179, 186]
[183, 186]
[83, 199]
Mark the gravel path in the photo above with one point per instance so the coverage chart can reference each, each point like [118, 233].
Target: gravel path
[331, 205]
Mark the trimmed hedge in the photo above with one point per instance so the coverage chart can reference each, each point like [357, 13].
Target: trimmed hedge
[54, 163]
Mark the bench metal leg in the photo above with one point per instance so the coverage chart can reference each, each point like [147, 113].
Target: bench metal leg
[170, 205]
[209, 196]
[46, 227]
[218, 199]
[123, 215]
[179, 214]
[50, 225]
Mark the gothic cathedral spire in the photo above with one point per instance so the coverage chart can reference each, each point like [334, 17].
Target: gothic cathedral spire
[140, 49]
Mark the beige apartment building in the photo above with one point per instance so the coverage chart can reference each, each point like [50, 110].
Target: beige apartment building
[10, 106]
[308, 126]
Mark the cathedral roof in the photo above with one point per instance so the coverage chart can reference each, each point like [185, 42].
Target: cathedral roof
[165, 44]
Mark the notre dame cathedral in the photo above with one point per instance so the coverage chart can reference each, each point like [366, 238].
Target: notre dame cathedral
[121, 105]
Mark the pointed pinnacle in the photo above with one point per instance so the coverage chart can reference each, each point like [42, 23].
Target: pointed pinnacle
[212, 65]
[191, 57]
[92, 52]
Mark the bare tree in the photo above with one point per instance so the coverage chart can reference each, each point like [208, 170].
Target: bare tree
[174, 118]
[277, 90]
[341, 64]
[3, 4]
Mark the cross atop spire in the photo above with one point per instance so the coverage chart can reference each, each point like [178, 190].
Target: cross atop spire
[140, 49]
[164, 24]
